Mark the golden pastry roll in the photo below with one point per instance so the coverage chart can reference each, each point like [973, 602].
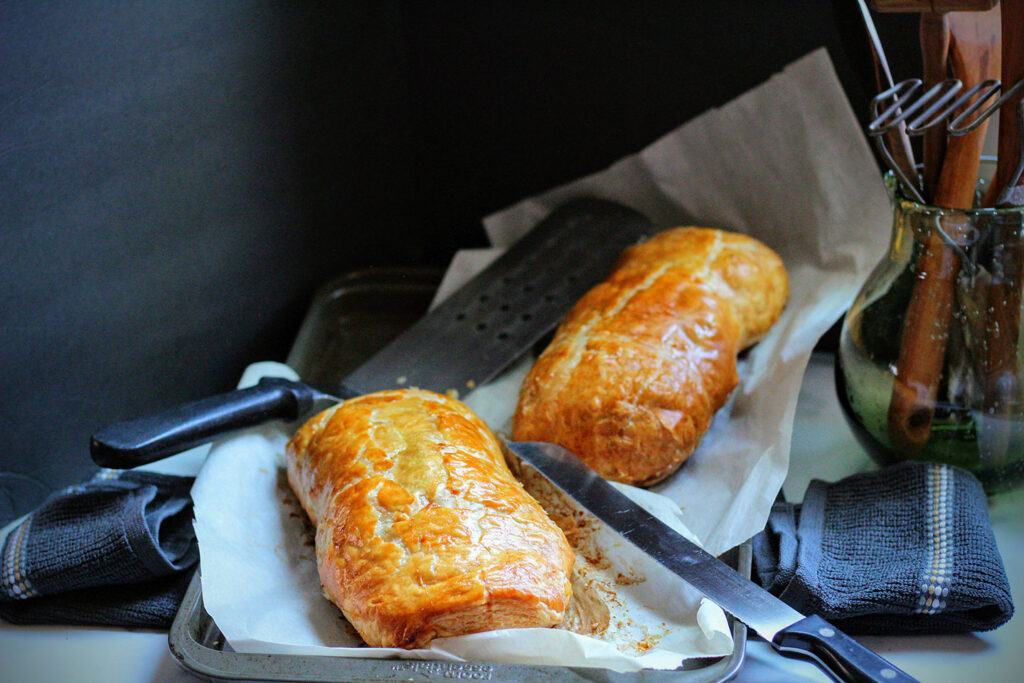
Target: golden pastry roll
[422, 532]
[639, 366]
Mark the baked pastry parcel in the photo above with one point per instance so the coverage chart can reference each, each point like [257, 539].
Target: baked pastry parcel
[639, 366]
[421, 529]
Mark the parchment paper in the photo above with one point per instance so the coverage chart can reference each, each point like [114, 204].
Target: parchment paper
[786, 163]
[261, 587]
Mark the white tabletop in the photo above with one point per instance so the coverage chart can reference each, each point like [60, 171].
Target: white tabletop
[823, 447]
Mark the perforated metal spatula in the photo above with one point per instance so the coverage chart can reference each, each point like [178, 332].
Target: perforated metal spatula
[497, 316]
[464, 342]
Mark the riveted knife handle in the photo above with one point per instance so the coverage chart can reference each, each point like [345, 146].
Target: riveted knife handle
[837, 653]
[136, 442]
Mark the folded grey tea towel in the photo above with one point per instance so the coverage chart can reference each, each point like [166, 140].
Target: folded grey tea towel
[906, 549]
[116, 551]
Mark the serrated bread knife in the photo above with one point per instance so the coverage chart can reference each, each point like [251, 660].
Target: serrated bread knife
[789, 632]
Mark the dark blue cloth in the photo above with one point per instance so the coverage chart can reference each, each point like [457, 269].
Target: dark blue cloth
[116, 551]
[907, 549]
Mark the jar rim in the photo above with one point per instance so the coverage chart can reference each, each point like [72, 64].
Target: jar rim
[896, 194]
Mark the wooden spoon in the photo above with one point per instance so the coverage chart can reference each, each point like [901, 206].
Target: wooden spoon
[1013, 72]
[934, 36]
[974, 56]
[1002, 327]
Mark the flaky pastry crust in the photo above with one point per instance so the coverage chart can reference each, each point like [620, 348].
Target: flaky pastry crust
[421, 529]
[642, 362]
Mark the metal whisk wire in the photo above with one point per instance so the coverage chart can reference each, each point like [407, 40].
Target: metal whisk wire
[968, 111]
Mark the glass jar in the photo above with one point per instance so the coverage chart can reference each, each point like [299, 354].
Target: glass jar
[931, 360]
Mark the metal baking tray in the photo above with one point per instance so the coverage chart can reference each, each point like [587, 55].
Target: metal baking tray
[350, 318]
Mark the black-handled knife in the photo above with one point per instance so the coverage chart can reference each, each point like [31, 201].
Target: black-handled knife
[789, 632]
[465, 341]
[142, 440]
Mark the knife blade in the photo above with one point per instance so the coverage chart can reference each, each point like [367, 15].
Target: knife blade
[788, 631]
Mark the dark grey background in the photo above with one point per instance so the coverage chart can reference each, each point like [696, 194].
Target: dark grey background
[177, 178]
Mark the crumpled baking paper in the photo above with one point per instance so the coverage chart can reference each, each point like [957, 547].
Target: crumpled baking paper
[786, 163]
[261, 587]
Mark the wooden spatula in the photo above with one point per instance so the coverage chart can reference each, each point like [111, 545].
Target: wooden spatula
[934, 36]
[1002, 328]
[1009, 146]
[974, 55]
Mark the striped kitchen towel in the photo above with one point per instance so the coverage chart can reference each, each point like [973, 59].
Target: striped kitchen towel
[906, 549]
[116, 551]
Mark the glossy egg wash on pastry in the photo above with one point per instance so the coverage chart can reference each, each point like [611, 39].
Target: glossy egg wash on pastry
[642, 362]
[421, 529]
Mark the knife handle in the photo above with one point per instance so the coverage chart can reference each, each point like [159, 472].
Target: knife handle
[837, 653]
[131, 443]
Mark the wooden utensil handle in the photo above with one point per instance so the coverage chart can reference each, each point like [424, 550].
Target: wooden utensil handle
[974, 56]
[932, 5]
[1008, 145]
[1002, 329]
[1002, 325]
[923, 347]
[934, 36]
[926, 327]
[929, 313]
